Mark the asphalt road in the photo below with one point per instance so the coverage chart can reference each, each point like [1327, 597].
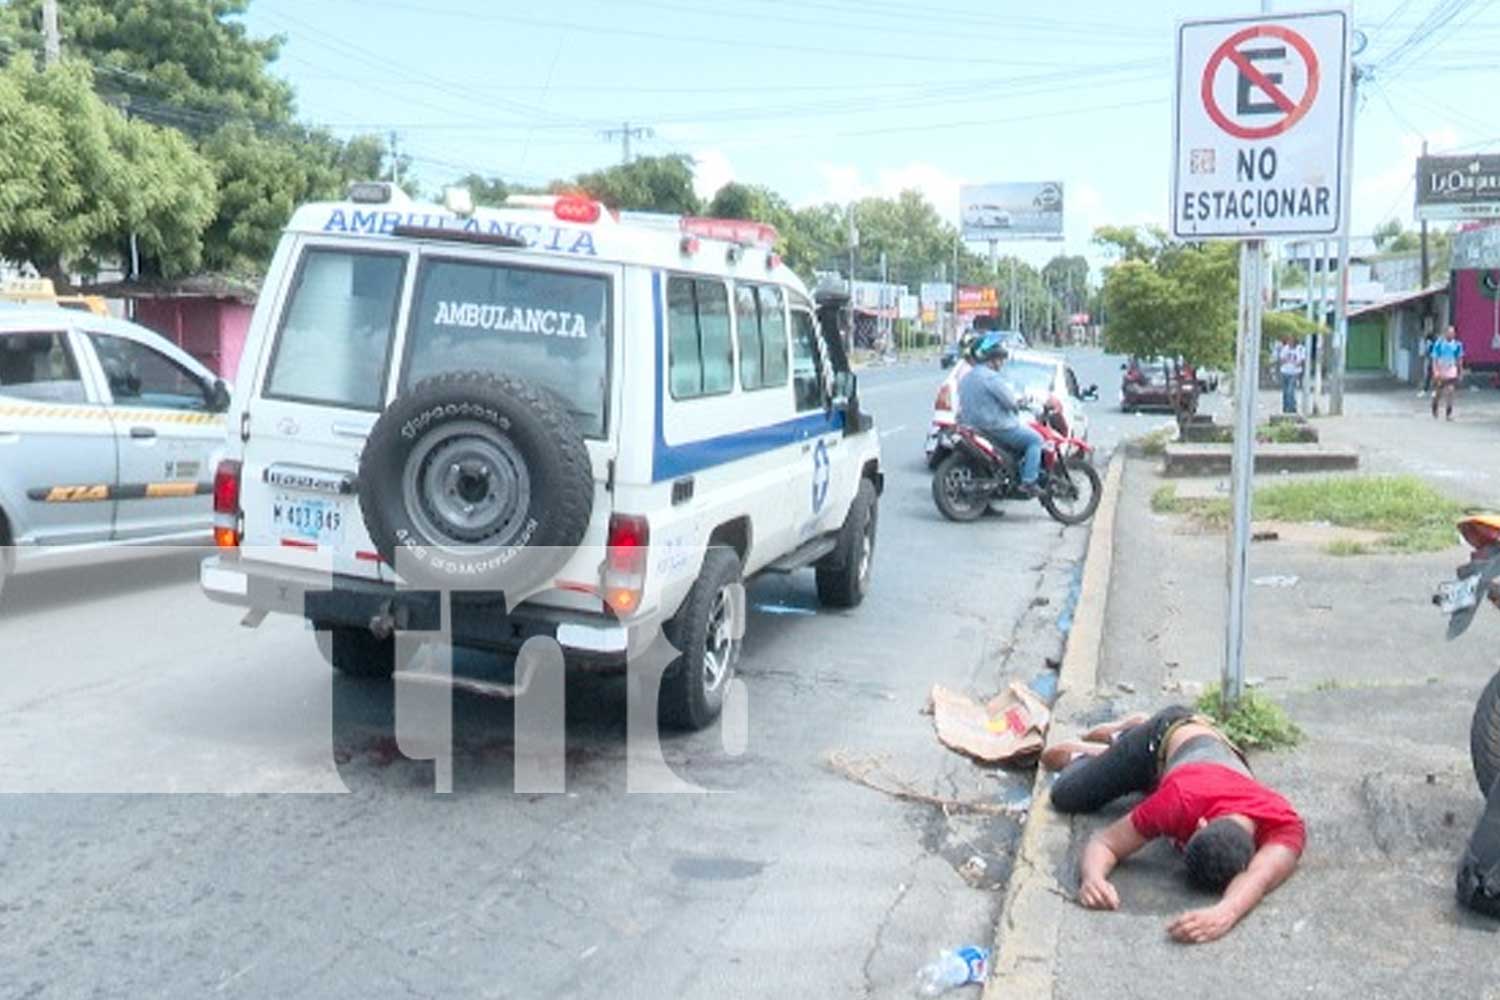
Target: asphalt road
[788, 879]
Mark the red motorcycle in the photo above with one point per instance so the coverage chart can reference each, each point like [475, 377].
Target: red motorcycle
[977, 471]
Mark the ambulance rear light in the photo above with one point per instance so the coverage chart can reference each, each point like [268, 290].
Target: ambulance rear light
[624, 570]
[370, 192]
[227, 521]
[689, 246]
[741, 231]
[773, 261]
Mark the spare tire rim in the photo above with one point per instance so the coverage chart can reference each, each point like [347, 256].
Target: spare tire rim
[466, 485]
[720, 647]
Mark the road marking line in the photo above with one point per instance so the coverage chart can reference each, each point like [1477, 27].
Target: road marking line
[893, 430]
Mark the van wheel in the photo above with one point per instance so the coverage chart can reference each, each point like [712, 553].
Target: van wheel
[708, 631]
[844, 574]
[356, 652]
[481, 483]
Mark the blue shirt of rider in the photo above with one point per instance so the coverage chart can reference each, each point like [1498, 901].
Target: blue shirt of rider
[986, 400]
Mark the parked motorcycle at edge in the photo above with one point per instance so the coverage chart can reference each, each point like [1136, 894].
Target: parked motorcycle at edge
[976, 471]
[1479, 870]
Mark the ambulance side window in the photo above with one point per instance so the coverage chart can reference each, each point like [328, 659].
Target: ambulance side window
[700, 355]
[807, 371]
[39, 366]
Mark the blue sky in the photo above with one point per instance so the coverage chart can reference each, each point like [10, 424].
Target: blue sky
[825, 100]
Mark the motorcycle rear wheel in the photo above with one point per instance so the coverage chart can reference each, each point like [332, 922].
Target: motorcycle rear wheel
[954, 492]
[1484, 736]
[1074, 491]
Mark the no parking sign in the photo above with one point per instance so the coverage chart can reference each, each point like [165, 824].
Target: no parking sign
[1261, 110]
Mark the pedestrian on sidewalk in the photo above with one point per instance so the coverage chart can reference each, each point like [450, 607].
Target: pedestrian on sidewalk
[1428, 339]
[1447, 369]
[1238, 837]
[1290, 358]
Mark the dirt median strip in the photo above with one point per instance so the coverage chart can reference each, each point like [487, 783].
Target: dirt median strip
[1026, 939]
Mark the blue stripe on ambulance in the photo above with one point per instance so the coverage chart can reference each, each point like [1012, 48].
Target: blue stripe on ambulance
[675, 461]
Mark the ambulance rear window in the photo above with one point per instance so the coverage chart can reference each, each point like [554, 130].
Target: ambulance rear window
[337, 328]
[551, 328]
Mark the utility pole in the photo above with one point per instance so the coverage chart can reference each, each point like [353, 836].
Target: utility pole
[51, 41]
[395, 158]
[1339, 354]
[1426, 257]
[625, 133]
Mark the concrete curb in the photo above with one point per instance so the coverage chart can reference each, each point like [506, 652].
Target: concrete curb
[1025, 951]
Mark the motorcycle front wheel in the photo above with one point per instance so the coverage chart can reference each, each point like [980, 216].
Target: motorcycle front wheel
[1073, 491]
[956, 489]
[1484, 736]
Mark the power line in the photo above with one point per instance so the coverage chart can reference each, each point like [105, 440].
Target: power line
[389, 66]
[736, 43]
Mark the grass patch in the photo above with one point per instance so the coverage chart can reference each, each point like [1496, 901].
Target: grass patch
[1258, 723]
[1155, 443]
[1280, 434]
[1413, 516]
[1166, 501]
[1211, 512]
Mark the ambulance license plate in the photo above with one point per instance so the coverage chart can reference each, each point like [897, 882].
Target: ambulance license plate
[301, 519]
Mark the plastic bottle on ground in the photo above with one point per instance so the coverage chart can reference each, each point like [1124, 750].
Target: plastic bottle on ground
[953, 969]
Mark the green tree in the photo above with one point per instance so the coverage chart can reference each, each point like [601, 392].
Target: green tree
[182, 54]
[77, 179]
[1171, 298]
[491, 191]
[649, 184]
[191, 65]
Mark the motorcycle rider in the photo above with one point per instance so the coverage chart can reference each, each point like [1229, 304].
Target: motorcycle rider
[987, 403]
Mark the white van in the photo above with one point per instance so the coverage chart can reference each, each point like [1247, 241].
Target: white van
[603, 424]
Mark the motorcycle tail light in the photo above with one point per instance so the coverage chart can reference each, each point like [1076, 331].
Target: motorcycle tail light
[1480, 532]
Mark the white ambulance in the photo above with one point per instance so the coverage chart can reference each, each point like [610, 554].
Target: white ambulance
[581, 425]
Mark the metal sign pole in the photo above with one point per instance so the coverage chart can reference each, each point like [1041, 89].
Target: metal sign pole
[1340, 351]
[1242, 470]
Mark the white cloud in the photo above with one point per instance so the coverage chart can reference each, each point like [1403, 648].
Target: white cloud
[711, 171]
[843, 183]
[1388, 189]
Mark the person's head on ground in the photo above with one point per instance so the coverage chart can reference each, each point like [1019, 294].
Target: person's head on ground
[1218, 852]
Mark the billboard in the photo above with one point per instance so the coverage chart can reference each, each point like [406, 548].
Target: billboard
[976, 300]
[1012, 211]
[1477, 249]
[1458, 187]
[936, 293]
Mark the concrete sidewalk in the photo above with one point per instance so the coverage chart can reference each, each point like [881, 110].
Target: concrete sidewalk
[1355, 652]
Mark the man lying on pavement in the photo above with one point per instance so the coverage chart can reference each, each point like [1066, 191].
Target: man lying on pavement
[1237, 836]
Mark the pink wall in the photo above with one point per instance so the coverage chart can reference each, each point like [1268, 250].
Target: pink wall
[1474, 316]
[211, 330]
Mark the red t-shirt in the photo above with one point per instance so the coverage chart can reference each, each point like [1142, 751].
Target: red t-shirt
[1210, 791]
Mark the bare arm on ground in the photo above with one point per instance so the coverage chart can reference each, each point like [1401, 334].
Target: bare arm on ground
[1104, 850]
[1271, 866]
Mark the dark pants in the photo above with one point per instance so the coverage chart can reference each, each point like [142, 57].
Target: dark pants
[1131, 764]
[1479, 870]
